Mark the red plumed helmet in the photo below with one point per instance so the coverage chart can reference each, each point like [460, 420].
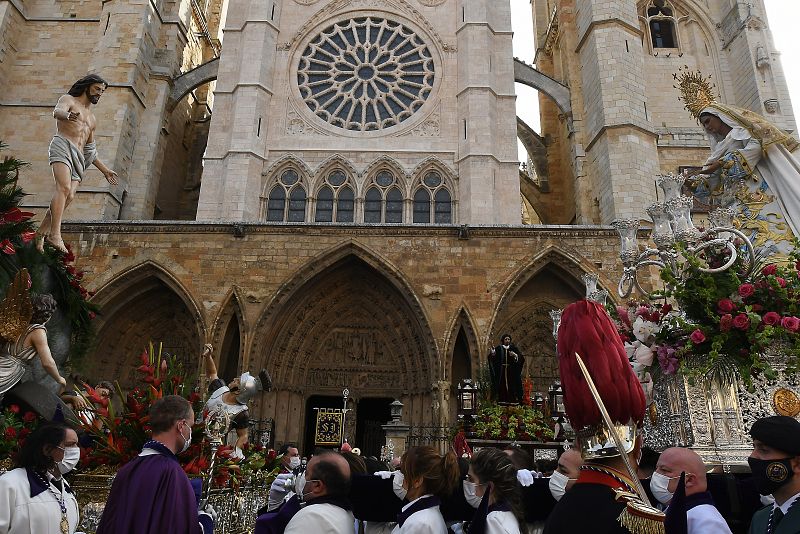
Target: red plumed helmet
[587, 329]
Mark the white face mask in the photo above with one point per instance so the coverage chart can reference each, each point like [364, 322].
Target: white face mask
[397, 485]
[294, 462]
[469, 494]
[558, 484]
[186, 441]
[71, 457]
[658, 485]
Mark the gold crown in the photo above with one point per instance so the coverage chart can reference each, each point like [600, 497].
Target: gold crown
[697, 91]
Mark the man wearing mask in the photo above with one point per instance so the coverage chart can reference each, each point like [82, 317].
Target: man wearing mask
[325, 509]
[290, 460]
[151, 494]
[702, 517]
[565, 475]
[775, 463]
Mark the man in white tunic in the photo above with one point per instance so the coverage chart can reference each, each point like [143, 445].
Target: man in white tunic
[326, 508]
[702, 517]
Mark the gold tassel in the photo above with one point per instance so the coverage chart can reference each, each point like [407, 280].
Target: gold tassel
[639, 518]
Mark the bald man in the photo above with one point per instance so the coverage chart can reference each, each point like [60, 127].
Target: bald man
[702, 517]
[326, 508]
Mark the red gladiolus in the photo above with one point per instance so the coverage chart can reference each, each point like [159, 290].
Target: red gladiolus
[746, 290]
[29, 417]
[697, 337]
[7, 247]
[157, 382]
[726, 306]
[770, 269]
[792, 324]
[11, 433]
[28, 236]
[741, 321]
[771, 318]
[14, 408]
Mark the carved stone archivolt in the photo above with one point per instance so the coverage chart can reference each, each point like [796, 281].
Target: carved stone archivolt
[347, 326]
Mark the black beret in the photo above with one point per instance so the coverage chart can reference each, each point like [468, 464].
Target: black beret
[780, 432]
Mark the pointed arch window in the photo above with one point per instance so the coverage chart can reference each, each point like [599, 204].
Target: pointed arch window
[335, 199]
[662, 24]
[440, 209]
[383, 202]
[286, 201]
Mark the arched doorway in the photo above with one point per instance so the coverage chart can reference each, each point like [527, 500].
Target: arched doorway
[353, 324]
[142, 305]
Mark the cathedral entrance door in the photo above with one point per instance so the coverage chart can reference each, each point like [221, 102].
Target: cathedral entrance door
[372, 414]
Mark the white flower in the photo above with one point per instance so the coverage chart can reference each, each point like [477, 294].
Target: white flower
[640, 355]
[643, 329]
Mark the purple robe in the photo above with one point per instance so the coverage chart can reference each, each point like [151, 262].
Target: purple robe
[152, 495]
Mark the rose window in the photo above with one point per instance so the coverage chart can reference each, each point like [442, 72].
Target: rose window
[365, 74]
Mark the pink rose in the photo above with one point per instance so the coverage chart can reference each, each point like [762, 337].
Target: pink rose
[781, 281]
[746, 290]
[792, 324]
[771, 318]
[770, 269]
[741, 321]
[725, 322]
[697, 337]
[726, 306]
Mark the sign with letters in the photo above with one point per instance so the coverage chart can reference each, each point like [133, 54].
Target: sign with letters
[329, 427]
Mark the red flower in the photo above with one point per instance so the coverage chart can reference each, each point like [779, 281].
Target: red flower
[666, 308]
[271, 455]
[697, 337]
[28, 236]
[741, 321]
[7, 247]
[770, 269]
[746, 290]
[92, 315]
[771, 318]
[194, 397]
[726, 306]
[177, 380]
[797, 265]
[781, 281]
[14, 408]
[11, 433]
[758, 308]
[15, 215]
[792, 324]
[23, 433]
[29, 417]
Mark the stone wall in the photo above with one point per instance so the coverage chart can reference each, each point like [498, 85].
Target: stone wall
[378, 302]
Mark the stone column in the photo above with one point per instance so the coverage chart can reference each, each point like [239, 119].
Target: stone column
[620, 141]
[236, 148]
[487, 145]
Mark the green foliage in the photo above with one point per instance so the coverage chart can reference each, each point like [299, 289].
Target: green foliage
[521, 423]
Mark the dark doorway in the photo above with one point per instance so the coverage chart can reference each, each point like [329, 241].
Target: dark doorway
[370, 415]
[316, 401]
[229, 359]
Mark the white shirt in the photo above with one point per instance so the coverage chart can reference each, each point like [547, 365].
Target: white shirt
[427, 521]
[22, 514]
[501, 523]
[321, 519]
[706, 519]
[786, 505]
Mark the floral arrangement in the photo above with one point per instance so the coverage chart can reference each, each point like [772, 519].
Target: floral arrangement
[521, 422]
[14, 428]
[17, 250]
[118, 437]
[721, 321]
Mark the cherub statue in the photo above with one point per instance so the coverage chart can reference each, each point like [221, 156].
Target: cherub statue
[23, 334]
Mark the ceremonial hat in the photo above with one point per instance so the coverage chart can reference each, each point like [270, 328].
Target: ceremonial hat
[780, 432]
[587, 330]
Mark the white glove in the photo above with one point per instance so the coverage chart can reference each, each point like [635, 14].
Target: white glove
[385, 475]
[238, 453]
[278, 491]
[209, 511]
[525, 477]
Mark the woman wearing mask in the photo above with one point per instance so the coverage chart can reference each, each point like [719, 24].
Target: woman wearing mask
[427, 477]
[35, 498]
[493, 478]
